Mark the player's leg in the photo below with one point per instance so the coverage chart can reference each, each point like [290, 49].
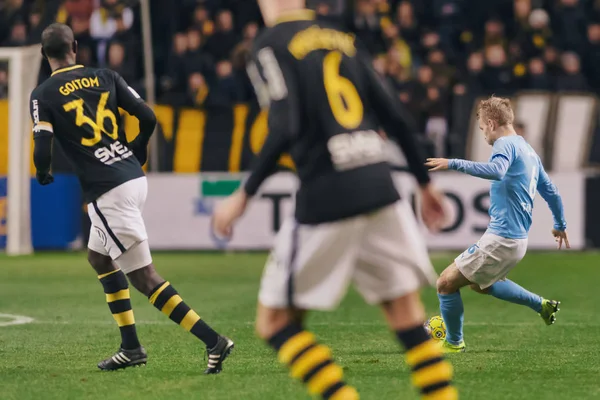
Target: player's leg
[119, 214]
[116, 289]
[431, 374]
[166, 299]
[309, 268]
[510, 291]
[393, 265]
[506, 254]
[451, 306]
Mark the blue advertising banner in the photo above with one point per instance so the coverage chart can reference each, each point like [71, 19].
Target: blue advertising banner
[56, 212]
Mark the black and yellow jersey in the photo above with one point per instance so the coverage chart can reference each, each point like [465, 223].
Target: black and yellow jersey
[326, 106]
[79, 107]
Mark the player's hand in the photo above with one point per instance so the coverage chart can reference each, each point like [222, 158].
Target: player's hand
[140, 150]
[561, 237]
[227, 212]
[44, 178]
[437, 164]
[432, 208]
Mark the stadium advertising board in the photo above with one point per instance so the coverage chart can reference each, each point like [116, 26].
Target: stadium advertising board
[179, 207]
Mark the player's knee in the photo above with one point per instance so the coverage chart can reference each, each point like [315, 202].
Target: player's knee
[145, 279]
[445, 285]
[101, 264]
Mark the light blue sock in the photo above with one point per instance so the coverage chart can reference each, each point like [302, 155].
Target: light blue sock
[453, 312]
[509, 291]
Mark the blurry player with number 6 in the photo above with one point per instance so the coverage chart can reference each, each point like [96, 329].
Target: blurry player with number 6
[326, 104]
[517, 174]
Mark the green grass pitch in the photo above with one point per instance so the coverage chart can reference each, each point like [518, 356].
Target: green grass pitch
[511, 354]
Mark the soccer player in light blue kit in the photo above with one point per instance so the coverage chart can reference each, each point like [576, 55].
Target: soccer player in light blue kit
[517, 174]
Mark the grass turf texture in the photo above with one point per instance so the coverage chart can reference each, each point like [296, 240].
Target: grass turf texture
[511, 354]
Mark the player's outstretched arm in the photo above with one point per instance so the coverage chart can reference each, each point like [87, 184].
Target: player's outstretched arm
[549, 193]
[493, 170]
[129, 100]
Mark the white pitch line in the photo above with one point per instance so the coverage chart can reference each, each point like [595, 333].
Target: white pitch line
[251, 323]
[15, 319]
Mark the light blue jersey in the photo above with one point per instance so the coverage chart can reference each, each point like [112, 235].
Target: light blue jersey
[517, 174]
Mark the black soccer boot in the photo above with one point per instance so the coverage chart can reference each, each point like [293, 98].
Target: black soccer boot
[124, 358]
[218, 354]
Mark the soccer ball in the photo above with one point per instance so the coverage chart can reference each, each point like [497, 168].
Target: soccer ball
[436, 328]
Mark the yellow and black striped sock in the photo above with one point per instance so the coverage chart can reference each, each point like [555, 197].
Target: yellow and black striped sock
[116, 289]
[166, 299]
[431, 373]
[311, 362]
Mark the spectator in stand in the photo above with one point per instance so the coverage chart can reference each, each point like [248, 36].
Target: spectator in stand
[111, 18]
[402, 50]
[11, 12]
[537, 34]
[552, 62]
[223, 41]
[494, 33]
[226, 89]
[117, 62]
[407, 23]
[442, 71]
[202, 21]
[367, 26]
[429, 40]
[591, 59]
[175, 80]
[18, 35]
[572, 79]
[196, 59]
[198, 89]
[473, 76]
[537, 78]
[569, 24]
[497, 75]
[436, 125]
[240, 56]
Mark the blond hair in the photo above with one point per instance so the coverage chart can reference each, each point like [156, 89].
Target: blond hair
[498, 109]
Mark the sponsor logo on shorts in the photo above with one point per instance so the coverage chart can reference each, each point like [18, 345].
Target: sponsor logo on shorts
[101, 235]
[472, 249]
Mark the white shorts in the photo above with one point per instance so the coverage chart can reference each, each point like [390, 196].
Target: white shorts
[118, 226]
[491, 259]
[311, 266]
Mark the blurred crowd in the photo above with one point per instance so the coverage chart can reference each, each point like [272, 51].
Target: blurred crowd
[431, 51]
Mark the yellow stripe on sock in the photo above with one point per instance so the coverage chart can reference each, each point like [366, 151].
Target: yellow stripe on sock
[189, 320]
[295, 345]
[435, 373]
[108, 273]
[160, 289]
[309, 360]
[345, 393]
[125, 318]
[447, 393]
[171, 304]
[324, 379]
[423, 352]
[120, 295]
